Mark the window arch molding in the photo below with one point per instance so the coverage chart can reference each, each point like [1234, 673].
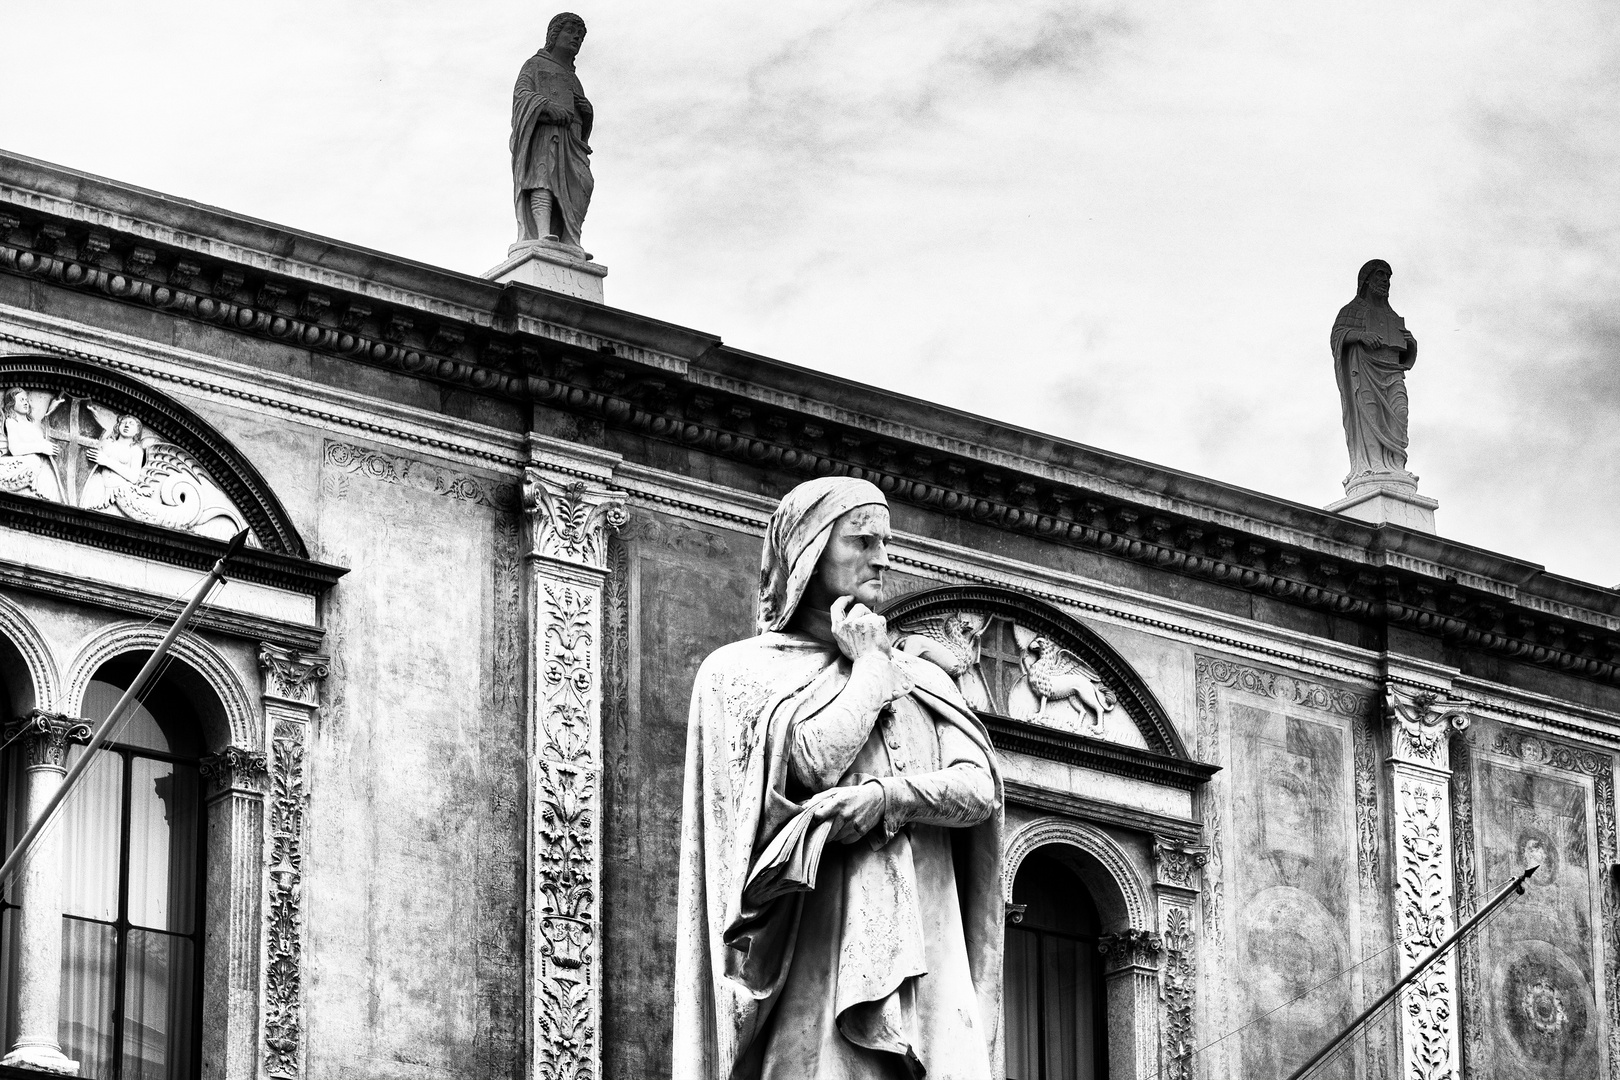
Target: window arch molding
[40, 663]
[241, 727]
[1139, 702]
[1130, 905]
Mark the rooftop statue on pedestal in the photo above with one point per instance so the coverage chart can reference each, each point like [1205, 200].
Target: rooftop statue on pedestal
[840, 907]
[1372, 352]
[551, 129]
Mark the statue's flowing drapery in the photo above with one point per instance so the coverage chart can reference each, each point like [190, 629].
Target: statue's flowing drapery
[1372, 386]
[549, 155]
[894, 960]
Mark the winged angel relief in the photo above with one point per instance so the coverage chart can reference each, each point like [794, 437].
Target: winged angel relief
[71, 450]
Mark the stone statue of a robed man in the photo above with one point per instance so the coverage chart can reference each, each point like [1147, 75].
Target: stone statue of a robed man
[551, 130]
[840, 904]
[1372, 352]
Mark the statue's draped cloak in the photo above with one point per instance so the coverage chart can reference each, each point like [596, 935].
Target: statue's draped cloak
[1372, 386]
[733, 959]
[546, 154]
[745, 702]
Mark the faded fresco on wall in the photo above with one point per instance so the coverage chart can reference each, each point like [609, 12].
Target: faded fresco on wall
[1534, 1008]
[1292, 893]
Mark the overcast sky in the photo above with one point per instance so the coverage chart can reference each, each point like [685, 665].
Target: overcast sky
[1127, 225]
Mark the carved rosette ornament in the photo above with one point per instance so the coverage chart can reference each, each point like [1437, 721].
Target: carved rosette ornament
[1420, 724]
[567, 555]
[291, 695]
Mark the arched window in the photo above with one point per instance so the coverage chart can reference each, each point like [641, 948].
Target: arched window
[131, 843]
[1055, 1000]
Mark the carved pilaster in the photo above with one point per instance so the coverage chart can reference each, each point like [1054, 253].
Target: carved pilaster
[1178, 867]
[1131, 969]
[1420, 723]
[291, 697]
[568, 523]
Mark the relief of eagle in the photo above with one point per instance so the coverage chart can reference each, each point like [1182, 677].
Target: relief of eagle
[951, 640]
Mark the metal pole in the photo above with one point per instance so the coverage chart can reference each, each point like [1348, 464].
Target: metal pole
[105, 729]
[1517, 885]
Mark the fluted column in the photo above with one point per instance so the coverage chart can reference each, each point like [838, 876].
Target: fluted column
[566, 557]
[1420, 725]
[234, 788]
[1131, 973]
[291, 699]
[43, 739]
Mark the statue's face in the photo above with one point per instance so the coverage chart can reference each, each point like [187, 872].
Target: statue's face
[1378, 282]
[129, 427]
[570, 36]
[18, 403]
[853, 563]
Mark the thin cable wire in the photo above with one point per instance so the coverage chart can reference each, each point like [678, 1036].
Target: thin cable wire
[1390, 1004]
[1188, 1057]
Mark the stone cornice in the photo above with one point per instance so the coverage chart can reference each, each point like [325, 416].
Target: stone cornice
[247, 277]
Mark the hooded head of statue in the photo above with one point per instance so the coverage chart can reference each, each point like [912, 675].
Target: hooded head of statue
[796, 537]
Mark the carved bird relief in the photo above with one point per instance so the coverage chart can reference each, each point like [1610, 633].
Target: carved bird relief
[952, 641]
[1055, 677]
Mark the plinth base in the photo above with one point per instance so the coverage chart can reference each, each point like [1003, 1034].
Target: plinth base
[548, 264]
[1387, 498]
[45, 1057]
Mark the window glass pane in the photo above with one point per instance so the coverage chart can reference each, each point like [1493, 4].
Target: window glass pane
[89, 956]
[162, 844]
[8, 975]
[90, 822]
[1022, 1005]
[138, 728]
[157, 1007]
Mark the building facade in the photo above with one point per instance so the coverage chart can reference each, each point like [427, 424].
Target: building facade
[405, 802]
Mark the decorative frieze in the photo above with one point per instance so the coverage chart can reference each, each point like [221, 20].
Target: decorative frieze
[343, 459]
[567, 552]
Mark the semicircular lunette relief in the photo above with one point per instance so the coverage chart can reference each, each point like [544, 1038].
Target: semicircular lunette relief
[87, 437]
[1013, 656]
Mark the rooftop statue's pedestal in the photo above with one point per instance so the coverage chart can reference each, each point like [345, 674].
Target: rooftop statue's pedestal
[554, 265]
[1387, 498]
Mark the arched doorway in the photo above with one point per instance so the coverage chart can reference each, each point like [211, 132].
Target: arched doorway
[1055, 996]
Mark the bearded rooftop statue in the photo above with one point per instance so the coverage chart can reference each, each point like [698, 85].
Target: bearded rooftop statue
[1372, 352]
[840, 905]
[551, 130]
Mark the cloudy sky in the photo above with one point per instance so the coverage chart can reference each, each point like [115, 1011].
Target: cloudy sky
[1127, 225]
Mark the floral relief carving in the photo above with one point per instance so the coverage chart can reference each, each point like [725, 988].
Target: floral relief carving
[342, 460]
[1366, 779]
[1178, 862]
[1423, 919]
[1466, 892]
[283, 1009]
[569, 521]
[292, 675]
[1177, 990]
[566, 857]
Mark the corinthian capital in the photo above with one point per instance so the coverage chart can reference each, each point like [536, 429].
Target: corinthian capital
[291, 675]
[45, 737]
[569, 519]
[1420, 722]
[1130, 948]
[233, 767]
